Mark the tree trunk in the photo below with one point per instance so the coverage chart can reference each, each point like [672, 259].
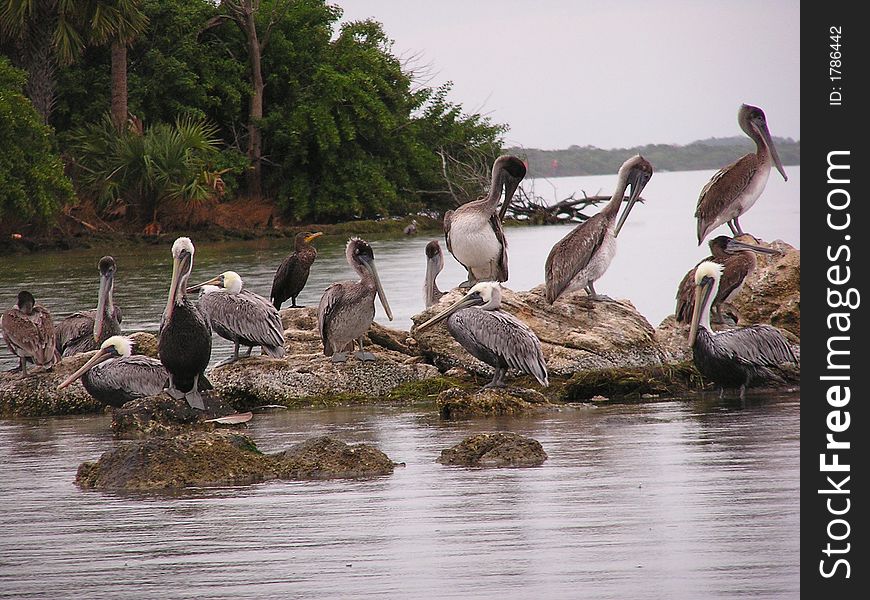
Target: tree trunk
[119, 84]
[36, 56]
[255, 150]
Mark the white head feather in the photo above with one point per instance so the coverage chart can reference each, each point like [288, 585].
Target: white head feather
[490, 293]
[708, 269]
[182, 243]
[232, 282]
[123, 344]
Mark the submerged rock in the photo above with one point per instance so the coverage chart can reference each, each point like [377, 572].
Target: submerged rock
[576, 333]
[502, 449]
[457, 403]
[325, 457]
[164, 415]
[225, 458]
[772, 294]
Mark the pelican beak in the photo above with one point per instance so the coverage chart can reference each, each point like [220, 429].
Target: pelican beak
[106, 283]
[464, 302]
[100, 356]
[738, 246]
[370, 265]
[637, 181]
[180, 270]
[702, 296]
[217, 280]
[313, 236]
[765, 133]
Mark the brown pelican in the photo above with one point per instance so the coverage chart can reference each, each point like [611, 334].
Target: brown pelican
[580, 258]
[434, 265]
[474, 231]
[497, 338]
[84, 331]
[29, 333]
[733, 190]
[240, 316]
[347, 308]
[738, 262]
[411, 228]
[114, 375]
[184, 339]
[736, 357]
[292, 274]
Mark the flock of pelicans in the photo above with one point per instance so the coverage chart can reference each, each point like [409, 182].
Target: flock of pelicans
[475, 237]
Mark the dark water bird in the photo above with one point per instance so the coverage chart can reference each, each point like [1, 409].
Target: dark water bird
[114, 375]
[184, 339]
[736, 357]
[497, 338]
[580, 258]
[411, 228]
[29, 333]
[474, 232]
[734, 189]
[347, 308]
[292, 273]
[240, 316]
[84, 331]
[434, 265]
[738, 262]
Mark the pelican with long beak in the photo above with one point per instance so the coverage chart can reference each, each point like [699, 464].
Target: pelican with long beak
[29, 333]
[292, 273]
[474, 232]
[737, 357]
[240, 316]
[738, 262]
[347, 308]
[84, 331]
[580, 258]
[495, 337]
[434, 265]
[733, 190]
[114, 375]
[184, 339]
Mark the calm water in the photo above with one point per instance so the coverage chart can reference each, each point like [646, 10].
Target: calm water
[679, 499]
[656, 249]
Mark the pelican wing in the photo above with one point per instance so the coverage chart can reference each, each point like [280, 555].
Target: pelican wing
[572, 253]
[757, 345]
[70, 331]
[30, 336]
[448, 220]
[686, 293]
[723, 189]
[735, 269]
[326, 310]
[507, 337]
[246, 315]
[132, 376]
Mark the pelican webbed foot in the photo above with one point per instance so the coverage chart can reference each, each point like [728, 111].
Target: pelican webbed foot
[227, 361]
[339, 357]
[366, 356]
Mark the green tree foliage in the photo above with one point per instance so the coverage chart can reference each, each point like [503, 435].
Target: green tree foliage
[163, 164]
[32, 182]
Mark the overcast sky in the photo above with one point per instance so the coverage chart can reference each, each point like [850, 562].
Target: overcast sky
[605, 73]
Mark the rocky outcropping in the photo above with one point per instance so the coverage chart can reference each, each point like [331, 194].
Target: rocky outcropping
[225, 458]
[576, 333]
[772, 294]
[495, 450]
[457, 403]
[164, 415]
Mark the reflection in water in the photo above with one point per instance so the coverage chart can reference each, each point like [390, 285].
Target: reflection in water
[656, 249]
[678, 499]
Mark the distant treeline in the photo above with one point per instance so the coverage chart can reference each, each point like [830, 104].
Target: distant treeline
[712, 153]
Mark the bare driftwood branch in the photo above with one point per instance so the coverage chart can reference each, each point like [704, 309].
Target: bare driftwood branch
[529, 207]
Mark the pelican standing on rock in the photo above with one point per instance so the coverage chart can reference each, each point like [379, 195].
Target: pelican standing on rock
[184, 339]
[29, 333]
[738, 262]
[733, 190]
[347, 308]
[292, 273]
[114, 375]
[736, 357]
[580, 258]
[85, 331]
[434, 265]
[497, 338]
[240, 316]
[474, 231]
